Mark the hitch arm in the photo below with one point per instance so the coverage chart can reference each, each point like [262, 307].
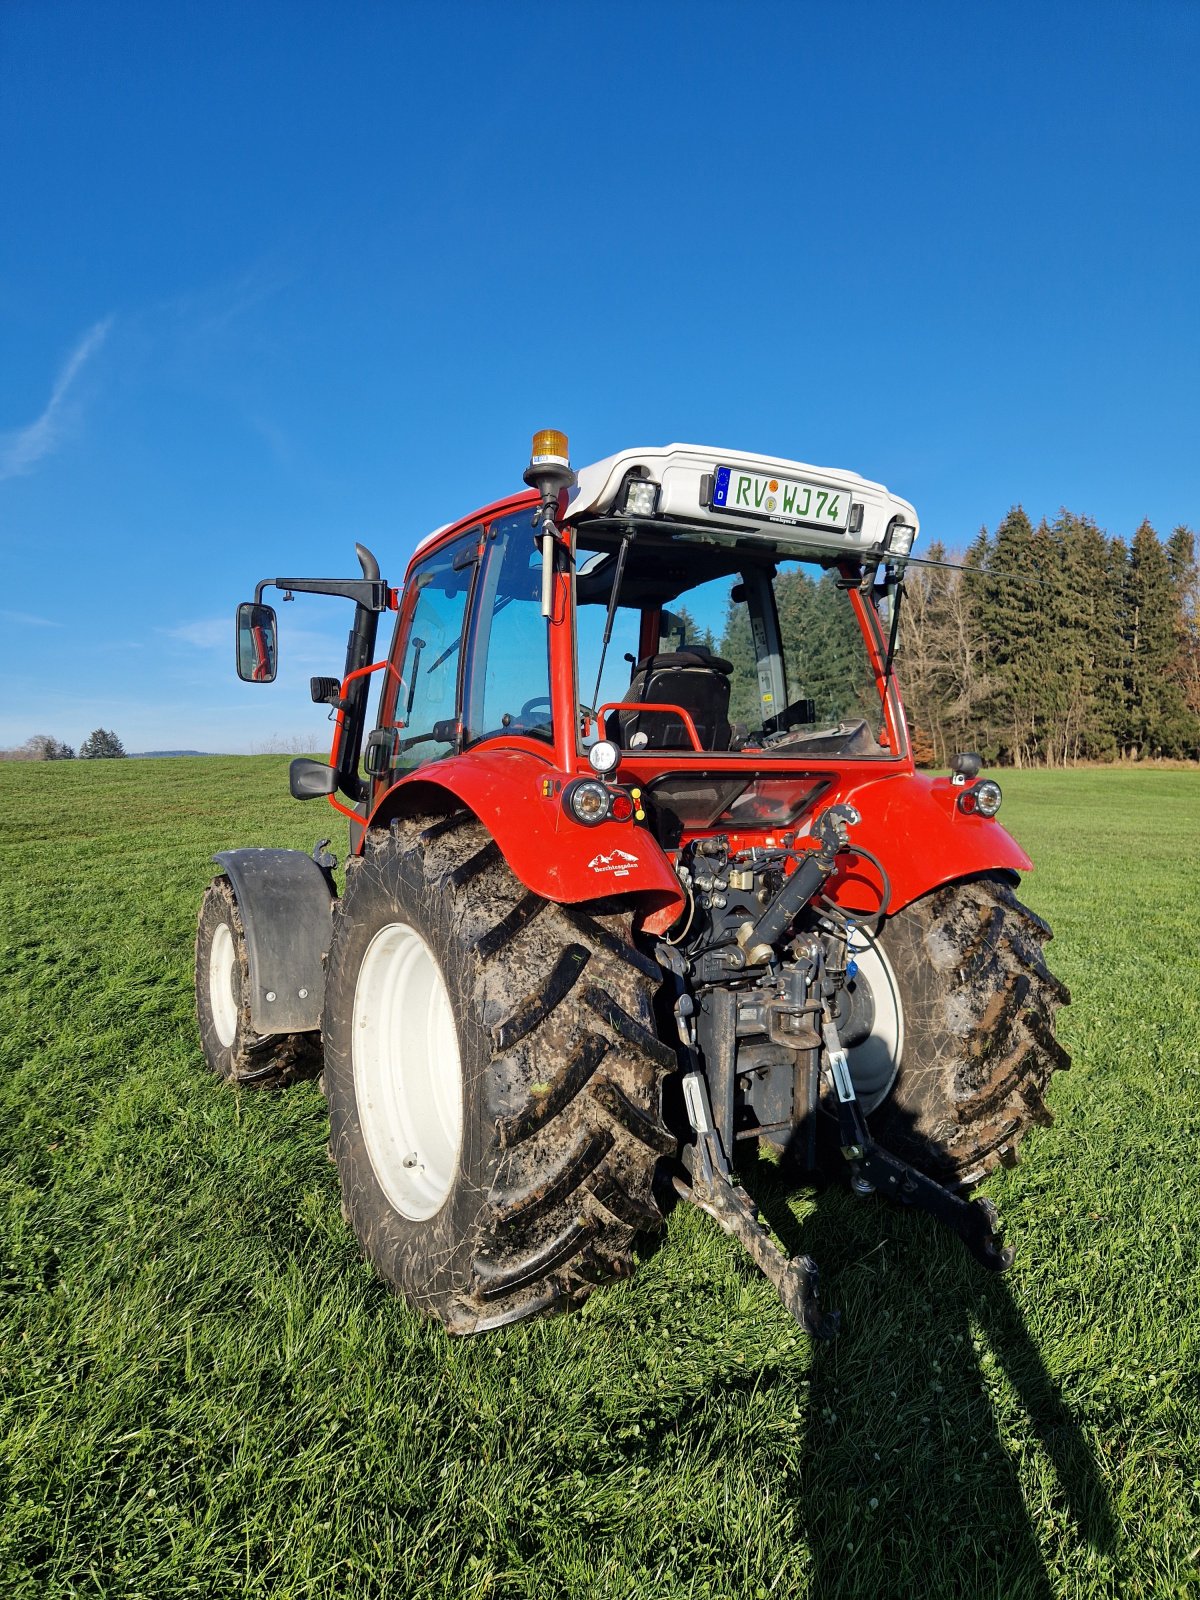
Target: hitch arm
[712, 1189]
[975, 1221]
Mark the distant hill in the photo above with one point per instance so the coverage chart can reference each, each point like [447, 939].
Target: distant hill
[143, 755]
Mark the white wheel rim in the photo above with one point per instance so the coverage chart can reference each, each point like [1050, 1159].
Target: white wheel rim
[407, 1072]
[875, 1060]
[222, 995]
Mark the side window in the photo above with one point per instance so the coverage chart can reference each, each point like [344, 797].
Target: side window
[619, 660]
[426, 697]
[824, 654]
[508, 670]
[595, 568]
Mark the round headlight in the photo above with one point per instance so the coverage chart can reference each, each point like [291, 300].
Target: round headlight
[587, 801]
[604, 757]
[988, 797]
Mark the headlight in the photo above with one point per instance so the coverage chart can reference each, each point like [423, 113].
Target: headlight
[587, 801]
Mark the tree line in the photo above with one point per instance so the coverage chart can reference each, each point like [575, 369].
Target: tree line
[1054, 644]
[100, 745]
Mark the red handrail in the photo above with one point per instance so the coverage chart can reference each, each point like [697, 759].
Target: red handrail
[652, 705]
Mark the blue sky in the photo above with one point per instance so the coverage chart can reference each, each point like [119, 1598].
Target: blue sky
[274, 277]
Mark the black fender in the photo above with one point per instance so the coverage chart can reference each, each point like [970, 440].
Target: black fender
[286, 904]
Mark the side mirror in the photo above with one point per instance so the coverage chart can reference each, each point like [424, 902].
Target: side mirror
[309, 779]
[257, 643]
[380, 752]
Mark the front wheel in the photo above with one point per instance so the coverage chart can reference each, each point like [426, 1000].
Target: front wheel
[493, 1079]
[232, 1048]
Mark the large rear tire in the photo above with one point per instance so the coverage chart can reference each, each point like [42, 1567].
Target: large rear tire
[493, 1077]
[232, 1048]
[979, 1005]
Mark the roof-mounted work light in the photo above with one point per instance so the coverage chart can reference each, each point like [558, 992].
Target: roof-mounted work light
[549, 472]
[898, 541]
[639, 497]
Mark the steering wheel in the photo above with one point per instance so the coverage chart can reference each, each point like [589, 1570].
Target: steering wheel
[530, 706]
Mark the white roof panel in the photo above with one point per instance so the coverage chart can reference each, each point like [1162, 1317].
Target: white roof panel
[682, 471]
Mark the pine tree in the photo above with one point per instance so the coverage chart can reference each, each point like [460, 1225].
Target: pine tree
[1185, 583]
[101, 745]
[1157, 721]
[1089, 654]
[1009, 599]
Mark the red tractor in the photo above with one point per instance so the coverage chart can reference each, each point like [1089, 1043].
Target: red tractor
[641, 872]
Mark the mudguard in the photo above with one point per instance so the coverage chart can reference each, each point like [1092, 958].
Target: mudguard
[285, 901]
[517, 795]
[913, 823]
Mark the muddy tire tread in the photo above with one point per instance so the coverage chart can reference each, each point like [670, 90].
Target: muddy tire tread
[571, 1071]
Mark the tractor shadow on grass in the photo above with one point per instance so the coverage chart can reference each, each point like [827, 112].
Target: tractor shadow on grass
[921, 1409]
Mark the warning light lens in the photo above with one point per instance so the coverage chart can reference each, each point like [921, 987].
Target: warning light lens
[622, 807]
[549, 446]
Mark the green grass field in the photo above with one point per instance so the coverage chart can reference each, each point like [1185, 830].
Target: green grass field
[203, 1391]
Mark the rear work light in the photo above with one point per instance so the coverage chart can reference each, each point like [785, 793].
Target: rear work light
[641, 498]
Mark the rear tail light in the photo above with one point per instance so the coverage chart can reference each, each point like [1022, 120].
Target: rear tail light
[589, 801]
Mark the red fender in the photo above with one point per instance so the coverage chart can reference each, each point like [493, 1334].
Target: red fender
[549, 852]
[912, 822]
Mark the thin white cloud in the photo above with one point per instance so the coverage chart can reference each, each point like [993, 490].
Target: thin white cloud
[211, 633]
[28, 620]
[22, 448]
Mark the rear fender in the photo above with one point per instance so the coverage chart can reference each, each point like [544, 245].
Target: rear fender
[550, 853]
[912, 822]
[286, 904]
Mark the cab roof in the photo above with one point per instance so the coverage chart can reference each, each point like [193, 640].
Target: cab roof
[823, 512]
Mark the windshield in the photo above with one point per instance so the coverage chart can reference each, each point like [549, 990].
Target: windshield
[743, 651]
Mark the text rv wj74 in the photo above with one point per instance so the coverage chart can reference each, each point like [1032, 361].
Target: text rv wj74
[641, 873]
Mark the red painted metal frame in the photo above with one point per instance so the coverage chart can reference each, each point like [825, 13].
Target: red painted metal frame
[909, 819]
[652, 705]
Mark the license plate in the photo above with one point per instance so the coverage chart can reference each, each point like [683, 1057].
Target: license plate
[757, 494]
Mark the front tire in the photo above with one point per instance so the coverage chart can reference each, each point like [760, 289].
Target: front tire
[493, 1077]
[232, 1048]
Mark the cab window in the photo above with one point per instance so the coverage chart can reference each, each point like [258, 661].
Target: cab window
[508, 668]
[426, 695]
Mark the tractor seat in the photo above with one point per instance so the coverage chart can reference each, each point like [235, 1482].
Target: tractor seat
[694, 679]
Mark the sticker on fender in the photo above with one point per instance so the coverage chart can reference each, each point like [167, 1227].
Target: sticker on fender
[618, 862]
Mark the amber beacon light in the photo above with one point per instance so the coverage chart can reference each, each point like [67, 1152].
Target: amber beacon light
[549, 472]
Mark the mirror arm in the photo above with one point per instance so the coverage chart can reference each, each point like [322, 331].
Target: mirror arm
[370, 593]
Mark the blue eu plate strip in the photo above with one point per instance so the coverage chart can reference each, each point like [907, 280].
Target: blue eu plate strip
[720, 495]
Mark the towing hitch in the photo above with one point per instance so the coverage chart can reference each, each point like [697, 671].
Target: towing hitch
[873, 1169]
[713, 1190]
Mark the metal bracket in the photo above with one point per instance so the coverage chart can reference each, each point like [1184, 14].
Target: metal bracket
[713, 1190]
[976, 1222]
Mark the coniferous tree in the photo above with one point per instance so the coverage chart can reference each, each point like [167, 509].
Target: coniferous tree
[1185, 583]
[101, 745]
[1156, 716]
[1008, 613]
